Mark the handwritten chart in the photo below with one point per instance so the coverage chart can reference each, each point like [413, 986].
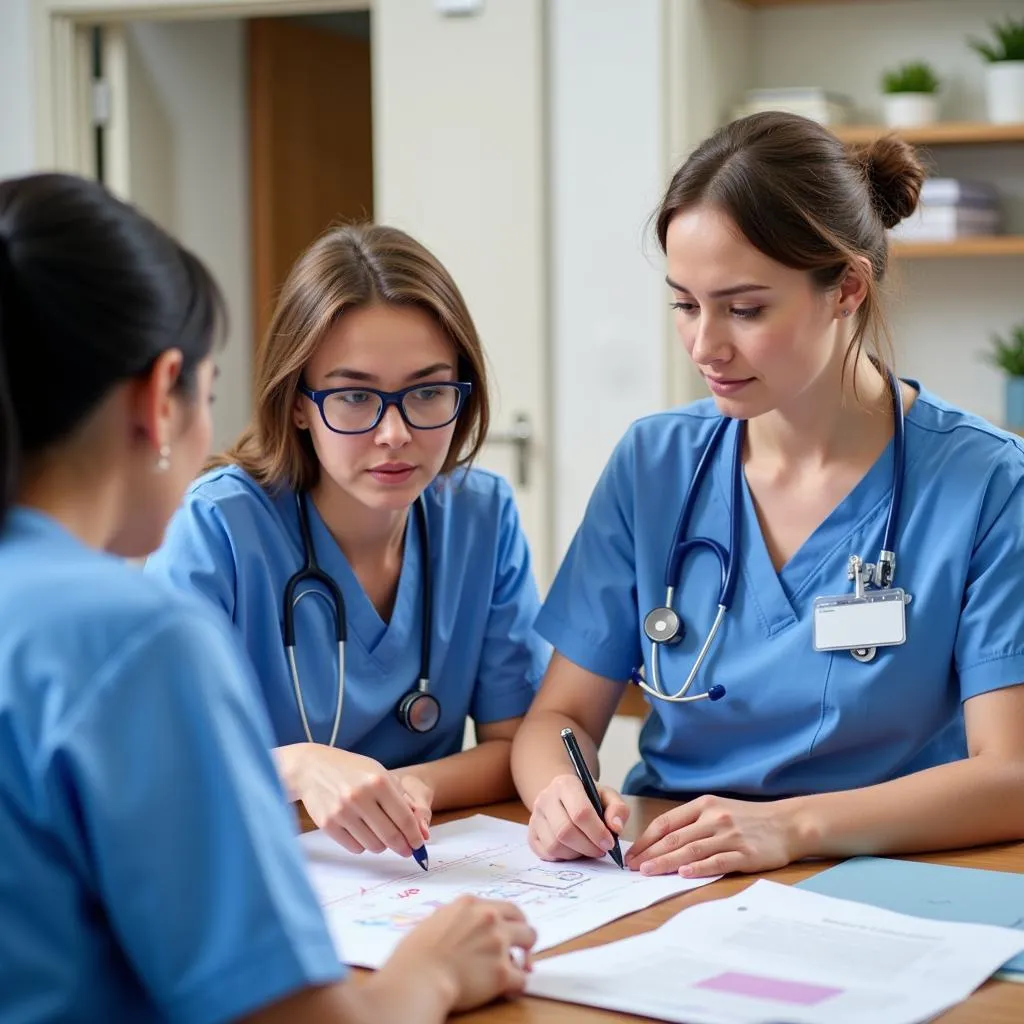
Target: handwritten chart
[372, 900]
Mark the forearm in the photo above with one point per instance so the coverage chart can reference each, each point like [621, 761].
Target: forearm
[390, 996]
[538, 754]
[966, 803]
[386, 997]
[480, 775]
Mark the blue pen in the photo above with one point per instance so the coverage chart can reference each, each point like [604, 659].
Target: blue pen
[420, 853]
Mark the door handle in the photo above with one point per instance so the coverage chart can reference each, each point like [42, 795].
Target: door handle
[521, 438]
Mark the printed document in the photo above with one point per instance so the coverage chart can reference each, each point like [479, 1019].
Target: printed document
[775, 953]
[372, 900]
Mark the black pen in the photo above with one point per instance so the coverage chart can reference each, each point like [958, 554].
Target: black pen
[583, 772]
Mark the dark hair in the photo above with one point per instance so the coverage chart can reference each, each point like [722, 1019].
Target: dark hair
[805, 200]
[91, 294]
[349, 268]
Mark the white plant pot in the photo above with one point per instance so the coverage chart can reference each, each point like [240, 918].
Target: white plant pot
[1004, 91]
[909, 109]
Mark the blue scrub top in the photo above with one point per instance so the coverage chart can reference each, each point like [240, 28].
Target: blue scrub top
[238, 545]
[149, 869]
[795, 720]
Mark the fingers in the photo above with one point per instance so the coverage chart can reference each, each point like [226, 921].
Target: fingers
[581, 827]
[518, 939]
[423, 814]
[543, 842]
[717, 864]
[363, 833]
[681, 839]
[696, 851]
[387, 831]
[393, 819]
[343, 837]
[616, 811]
[376, 816]
[663, 825]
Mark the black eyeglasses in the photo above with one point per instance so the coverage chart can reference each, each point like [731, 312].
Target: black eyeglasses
[425, 406]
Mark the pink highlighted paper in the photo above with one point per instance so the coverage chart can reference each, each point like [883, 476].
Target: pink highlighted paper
[758, 987]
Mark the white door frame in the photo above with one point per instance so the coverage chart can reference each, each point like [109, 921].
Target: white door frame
[62, 57]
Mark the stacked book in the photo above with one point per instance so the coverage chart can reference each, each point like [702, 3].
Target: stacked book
[818, 104]
[951, 209]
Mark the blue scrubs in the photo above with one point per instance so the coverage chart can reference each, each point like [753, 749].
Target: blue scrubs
[238, 545]
[149, 868]
[795, 720]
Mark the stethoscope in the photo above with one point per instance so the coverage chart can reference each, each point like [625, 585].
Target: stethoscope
[418, 710]
[663, 626]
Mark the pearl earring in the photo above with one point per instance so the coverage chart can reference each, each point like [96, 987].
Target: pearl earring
[163, 463]
[846, 312]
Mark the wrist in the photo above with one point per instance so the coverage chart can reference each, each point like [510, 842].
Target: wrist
[291, 761]
[428, 992]
[804, 827]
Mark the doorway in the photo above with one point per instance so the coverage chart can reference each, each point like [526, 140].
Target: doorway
[310, 138]
[458, 160]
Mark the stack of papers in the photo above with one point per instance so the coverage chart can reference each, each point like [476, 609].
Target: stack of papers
[938, 891]
[371, 901]
[777, 953]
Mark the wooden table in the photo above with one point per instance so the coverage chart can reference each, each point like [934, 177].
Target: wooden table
[996, 1002]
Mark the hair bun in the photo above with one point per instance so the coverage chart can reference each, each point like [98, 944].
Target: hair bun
[895, 176]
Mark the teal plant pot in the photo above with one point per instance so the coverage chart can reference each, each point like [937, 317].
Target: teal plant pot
[1014, 403]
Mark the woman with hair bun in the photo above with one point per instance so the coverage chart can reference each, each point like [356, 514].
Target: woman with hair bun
[815, 574]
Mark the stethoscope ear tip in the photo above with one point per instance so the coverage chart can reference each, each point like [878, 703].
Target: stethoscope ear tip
[716, 692]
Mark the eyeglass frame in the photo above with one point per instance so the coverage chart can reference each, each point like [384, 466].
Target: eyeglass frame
[387, 399]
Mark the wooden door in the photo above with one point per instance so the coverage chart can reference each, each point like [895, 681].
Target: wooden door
[311, 144]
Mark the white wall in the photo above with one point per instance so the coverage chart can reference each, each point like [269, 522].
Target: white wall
[17, 113]
[195, 73]
[944, 310]
[605, 139]
[608, 303]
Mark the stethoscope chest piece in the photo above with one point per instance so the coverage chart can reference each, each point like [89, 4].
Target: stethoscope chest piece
[664, 626]
[419, 711]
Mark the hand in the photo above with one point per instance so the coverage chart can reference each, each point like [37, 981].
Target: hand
[564, 824]
[473, 944]
[712, 836]
[358, 802]
[420, 796]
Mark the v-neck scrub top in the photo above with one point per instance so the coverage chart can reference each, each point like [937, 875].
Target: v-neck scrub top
[795, 720]
[237, 545]
[149, 869]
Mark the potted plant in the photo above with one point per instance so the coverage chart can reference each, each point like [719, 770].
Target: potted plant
[1008, 355]
[909, 95]
[1004, 82]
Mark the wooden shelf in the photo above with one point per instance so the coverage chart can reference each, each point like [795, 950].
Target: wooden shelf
[943, 133]
[994, 245]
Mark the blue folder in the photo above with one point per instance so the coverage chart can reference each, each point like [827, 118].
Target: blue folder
[937, 891]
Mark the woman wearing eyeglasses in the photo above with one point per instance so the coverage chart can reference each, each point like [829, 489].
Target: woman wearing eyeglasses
[382, 587]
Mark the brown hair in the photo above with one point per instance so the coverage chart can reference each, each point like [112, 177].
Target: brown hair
[806, 201]
[347, 268]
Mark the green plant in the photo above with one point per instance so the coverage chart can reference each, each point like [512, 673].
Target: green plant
[1008, 352]
[913, 77]
[1008, 45]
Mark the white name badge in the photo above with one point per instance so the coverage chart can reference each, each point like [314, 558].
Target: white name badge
[848, 622]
